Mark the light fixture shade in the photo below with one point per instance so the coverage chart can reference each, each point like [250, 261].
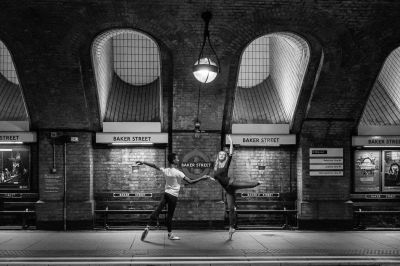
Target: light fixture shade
[206, 70]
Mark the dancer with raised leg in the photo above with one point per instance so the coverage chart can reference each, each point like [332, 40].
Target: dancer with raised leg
[230, 185]
[173, 178]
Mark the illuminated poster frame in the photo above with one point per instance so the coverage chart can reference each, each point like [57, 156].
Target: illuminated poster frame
[367, 170]
[391, 171]
[15, 167]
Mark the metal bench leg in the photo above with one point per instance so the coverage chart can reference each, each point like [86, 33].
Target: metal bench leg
[24, 219]
[359, 220]
[106, 227]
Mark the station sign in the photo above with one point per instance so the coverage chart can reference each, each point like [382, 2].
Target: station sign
[196, 163]
[381, 196]
[262, 140]
[260, 195]
[326, 161]
[134, 195]
[131, 138]
[376, 141]
[17, 137]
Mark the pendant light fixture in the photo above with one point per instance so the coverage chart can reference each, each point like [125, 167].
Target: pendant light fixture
[205, 69]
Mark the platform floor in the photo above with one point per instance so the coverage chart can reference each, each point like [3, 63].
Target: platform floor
[201, 247]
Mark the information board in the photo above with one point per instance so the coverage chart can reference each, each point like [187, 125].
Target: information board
[326, 161]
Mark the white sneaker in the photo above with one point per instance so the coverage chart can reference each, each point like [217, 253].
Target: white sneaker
[172, 237]
[144, 234]
[231, 231]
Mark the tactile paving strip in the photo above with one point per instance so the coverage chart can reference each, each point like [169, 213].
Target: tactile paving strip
[200, 252]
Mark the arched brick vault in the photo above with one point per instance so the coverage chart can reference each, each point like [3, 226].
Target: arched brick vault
[372, 55]
[51, 46]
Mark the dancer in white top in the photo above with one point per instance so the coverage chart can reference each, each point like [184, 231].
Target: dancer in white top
[173, 178]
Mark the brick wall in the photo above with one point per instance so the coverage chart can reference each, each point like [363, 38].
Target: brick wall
[73, 161]
[113, 171]
[279, 175]
[324, 198]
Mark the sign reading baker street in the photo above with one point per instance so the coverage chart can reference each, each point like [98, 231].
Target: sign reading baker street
[131, 138]
[376, 141]
[17, 137]
[196, 164]
[262, 140]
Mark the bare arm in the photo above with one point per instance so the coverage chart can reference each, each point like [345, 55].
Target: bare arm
[148, 164]
[210, 177]
[192, 181]
[230, 145]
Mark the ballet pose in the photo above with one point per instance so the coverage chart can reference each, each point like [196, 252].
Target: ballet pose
[173, 178]
[230, 185]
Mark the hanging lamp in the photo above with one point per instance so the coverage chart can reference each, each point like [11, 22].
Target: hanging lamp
[205, 69]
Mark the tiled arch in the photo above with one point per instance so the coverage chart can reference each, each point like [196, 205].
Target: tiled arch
[127, 72]
[270, 77]
[12, 105]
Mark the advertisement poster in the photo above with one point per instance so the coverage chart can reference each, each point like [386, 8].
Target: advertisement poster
[367, 171]
[14, 167]
[391, 167]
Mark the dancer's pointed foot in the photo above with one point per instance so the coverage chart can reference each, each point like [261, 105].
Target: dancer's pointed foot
[173, 237]
[145, 232]
[231, 231]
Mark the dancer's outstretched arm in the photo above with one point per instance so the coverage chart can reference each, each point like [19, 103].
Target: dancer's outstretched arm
[230, 145]
[192, 181]
[210, 177]
[148, 164]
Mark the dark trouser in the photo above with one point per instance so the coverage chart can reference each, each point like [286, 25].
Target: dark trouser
[169, 200]
[231, 198]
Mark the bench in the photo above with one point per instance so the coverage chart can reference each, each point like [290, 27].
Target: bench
[110, 205]
[266, 204]
[285, 212]
[359, 214]
[18, 208]
[24, 214]
[106, 212]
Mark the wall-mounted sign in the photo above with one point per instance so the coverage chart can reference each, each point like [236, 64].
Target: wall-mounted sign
[260, 195]
[326, 166]
[131, 138]
[134, 195]
[326, 152]
[376, 141]
[12, 195]
[53, 185]
[326, 173]
[326, 161]
[196, 164]
[381, 196]
[16, 137]
[262, 140]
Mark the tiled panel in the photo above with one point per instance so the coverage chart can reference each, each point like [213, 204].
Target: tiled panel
[259, 104]
[12, 107]
[120, 53]
[128, 103]
[273, 100]
[383, 106]
[289, 58]
[102, 61]
[7, 68]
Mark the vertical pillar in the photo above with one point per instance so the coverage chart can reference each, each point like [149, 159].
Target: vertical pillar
[63, 160]
[324, 201]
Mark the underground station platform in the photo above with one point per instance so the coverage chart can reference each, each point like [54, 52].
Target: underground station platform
[199, 247]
